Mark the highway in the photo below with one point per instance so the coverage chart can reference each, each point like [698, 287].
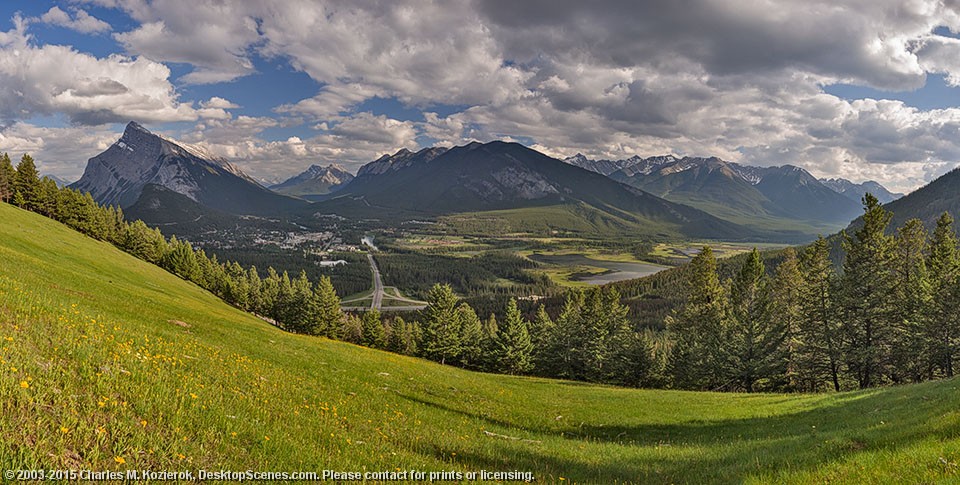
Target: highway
[378, 293]
[377, 284]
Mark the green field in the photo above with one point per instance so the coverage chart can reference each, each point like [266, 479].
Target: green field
[109, 363]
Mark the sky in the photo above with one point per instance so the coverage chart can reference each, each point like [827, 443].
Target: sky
[860, 89]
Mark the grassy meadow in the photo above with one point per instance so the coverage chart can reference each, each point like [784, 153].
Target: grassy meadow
[109, 363]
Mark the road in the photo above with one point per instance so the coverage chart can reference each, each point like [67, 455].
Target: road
[376, 302]
[377, 284]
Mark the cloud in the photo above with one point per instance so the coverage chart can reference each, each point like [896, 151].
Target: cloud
[217, 102]
[352, 141]
[52, 79]
[81, 21]
[58, 151]
[213, 37]
[740, 79]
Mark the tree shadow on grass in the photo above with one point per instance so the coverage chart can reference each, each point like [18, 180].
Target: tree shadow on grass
[721, 450]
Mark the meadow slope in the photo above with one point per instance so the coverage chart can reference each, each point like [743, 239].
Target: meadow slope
[109, 363]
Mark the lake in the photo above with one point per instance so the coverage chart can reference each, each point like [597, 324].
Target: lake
[616, 270]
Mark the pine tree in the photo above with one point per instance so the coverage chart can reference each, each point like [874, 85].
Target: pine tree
[867, 295]
[27, 183]
[942, 328]
[351, 329]
[180, 259]
[698, 328]
[513, 349]
[818, 352]
[786, 312]
[912, 305]
[373, 335]
[441, 325]
[488, 343]
[562, 356]
[471, 337]
[254, 284]
[7, 177]
[395, 330]
[328, 314]
[754, 340]
[541, 329]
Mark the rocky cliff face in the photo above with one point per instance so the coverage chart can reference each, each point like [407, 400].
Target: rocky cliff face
[118, 175]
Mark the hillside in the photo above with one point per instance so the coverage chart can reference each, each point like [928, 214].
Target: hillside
[498, 176]
[113, 364]
[927, 202]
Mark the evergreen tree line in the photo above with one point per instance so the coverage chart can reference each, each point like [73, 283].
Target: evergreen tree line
[294, 304]
[890, 315]
[450, 332]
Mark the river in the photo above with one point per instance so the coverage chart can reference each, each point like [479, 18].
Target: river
[616, 270]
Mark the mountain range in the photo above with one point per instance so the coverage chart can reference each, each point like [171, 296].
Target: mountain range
[497, 176]
[784, 198]
[164, 181]
[140, 158]
[856, 191]
[315, 181]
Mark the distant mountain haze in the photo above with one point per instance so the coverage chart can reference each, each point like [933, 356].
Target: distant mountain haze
[785, 197]
[315, 180]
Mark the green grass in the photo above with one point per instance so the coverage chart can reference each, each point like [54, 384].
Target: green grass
[105, 359]
[567, 220]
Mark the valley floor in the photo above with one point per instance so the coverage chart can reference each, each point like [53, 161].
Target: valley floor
[109, 363]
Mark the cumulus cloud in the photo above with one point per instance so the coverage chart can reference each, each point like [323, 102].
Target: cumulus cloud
[81, 21]
[352, 141]
[60, 151]
[53, 79]
[740, 79]
[213, 37]
[217, 102]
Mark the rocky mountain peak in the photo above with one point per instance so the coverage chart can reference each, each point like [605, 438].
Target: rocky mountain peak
[140, 157]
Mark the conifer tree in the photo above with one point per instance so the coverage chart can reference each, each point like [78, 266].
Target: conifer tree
[786, 313]
[754, 343]
[562, 356]
[698, 328]
[541, 329]
[27, 183]
[818, 354]
[441, 325]
[513, 349]
[373, 335]
[942, 328]
[395, 335]
[328, 314]
[867, 295]
[47, 199]
[351, 329]
[7, 176]
[912, 304]
[471, 337]
[255, 297]
[180, 259]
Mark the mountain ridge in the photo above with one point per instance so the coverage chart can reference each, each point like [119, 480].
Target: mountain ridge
[118, 175]
[315, 180]
[499, 175]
